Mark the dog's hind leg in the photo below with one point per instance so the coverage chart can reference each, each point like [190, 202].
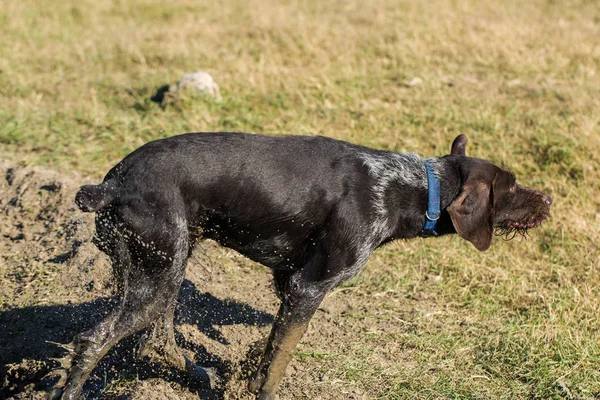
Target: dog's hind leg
[152, 266]
[141, 304]
[160, 345]
[89, 347]
[280, 280]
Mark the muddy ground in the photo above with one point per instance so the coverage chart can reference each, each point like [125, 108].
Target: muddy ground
[55, 283]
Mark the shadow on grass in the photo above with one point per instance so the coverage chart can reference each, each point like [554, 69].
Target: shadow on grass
[26, 348]
[159, 96]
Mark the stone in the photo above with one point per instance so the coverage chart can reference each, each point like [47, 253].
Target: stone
[199, 83]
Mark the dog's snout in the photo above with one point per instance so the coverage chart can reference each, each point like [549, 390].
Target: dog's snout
[547, 200]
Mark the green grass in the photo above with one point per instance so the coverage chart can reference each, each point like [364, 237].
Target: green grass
[521, 79]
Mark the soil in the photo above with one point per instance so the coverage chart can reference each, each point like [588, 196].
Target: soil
[55, 284]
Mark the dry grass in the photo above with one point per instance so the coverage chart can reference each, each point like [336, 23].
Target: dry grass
[521, 80]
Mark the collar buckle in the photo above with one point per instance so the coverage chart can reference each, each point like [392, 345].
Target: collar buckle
[430, 218]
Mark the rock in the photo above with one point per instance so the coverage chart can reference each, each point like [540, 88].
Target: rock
[416, 81]
[200, 83]
[435, 278]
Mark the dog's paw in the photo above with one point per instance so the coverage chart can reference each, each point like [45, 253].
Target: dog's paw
[256, 383]
[56, 389]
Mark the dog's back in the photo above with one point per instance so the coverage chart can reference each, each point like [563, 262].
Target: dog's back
[203, 165]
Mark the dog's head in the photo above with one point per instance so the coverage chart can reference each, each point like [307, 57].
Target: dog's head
[491, 200]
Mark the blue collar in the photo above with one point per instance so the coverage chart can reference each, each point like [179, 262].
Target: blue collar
[433, 202]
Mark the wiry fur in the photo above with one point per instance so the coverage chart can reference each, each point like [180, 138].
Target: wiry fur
[388, 168]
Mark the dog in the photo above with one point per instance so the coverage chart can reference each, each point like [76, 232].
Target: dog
[312, 209]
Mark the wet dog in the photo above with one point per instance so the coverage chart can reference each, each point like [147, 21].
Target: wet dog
[312, 209]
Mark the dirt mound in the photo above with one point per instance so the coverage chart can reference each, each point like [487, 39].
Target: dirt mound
[55, 283]
[45, 239]
[48, 267]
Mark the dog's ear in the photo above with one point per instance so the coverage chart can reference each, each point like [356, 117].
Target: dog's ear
[458, 145]
[472, 215]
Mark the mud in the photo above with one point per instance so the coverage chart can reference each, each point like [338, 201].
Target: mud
[55, 283]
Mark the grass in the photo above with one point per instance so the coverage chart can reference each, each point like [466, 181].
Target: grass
[521, 79]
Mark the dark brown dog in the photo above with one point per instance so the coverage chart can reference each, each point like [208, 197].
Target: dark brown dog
[310, 208]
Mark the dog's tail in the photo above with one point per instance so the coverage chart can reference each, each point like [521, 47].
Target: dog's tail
[91, 198]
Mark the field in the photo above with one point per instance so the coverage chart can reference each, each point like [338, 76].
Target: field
[426, 319]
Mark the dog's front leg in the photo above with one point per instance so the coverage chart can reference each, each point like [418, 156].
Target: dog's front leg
[300, 300]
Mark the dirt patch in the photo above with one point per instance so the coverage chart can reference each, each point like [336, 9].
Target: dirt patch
[55, 283]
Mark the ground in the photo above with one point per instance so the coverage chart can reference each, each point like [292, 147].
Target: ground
[80, 87]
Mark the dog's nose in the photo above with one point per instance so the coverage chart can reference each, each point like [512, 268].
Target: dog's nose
[547, 200]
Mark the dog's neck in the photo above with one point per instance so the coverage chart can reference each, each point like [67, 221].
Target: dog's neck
[391, 194]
